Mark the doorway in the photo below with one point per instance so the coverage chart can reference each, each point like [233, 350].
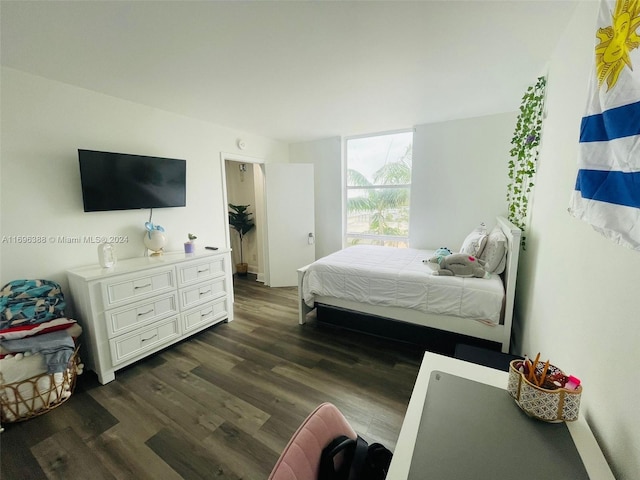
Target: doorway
[244, 185]
[281, 196]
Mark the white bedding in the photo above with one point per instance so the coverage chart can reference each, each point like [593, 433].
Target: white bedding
[398, 277]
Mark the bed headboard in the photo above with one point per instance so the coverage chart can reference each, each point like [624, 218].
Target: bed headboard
[510, 273]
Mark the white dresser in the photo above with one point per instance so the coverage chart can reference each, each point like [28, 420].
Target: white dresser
[142, 305]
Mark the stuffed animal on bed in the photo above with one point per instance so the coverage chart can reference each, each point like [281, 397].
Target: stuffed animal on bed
[438, 255]
[460, 265]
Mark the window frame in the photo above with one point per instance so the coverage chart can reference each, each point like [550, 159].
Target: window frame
[346, 188]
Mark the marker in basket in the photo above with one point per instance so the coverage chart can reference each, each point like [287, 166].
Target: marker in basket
[532, 371]
[544, 373]
[572, 383]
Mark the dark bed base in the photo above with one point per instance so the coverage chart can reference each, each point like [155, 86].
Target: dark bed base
[431, 339]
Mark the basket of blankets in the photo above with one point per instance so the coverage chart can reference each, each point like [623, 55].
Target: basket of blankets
[39, 360]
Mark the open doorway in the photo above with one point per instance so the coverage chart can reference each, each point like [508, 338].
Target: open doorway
[244, 185]
[282, 200]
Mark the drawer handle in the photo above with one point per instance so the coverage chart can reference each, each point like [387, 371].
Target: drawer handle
[205, 292]
[150, 338]
[142, 286]
[206, 314]
[202, 271]
[145, 313]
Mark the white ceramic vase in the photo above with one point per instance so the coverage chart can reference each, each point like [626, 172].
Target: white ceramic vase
[155, 240]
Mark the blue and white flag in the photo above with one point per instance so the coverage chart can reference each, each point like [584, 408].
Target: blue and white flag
[607, 190]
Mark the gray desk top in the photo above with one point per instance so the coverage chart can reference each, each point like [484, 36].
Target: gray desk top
[470, 430]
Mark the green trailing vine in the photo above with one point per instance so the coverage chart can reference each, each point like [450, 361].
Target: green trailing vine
[524, 154]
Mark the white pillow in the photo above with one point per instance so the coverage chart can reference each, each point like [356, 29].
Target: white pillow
[475, 241]
[495, 251]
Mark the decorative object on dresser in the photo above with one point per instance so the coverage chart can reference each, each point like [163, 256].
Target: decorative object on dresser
[38, 353]
[106, 255]
[154, 238]
[240, 220]
[189, 246]
[145, 304]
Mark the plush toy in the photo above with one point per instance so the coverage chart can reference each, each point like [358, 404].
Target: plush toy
[461, 265]
[438, 255]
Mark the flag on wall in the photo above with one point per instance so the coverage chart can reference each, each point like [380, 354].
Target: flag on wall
[607, 189]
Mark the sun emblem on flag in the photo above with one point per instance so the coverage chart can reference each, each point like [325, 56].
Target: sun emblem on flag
[617, 41]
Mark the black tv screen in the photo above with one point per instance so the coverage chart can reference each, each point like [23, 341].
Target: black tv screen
[119, 181]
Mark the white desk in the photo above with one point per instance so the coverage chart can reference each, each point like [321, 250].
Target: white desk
[587, 447]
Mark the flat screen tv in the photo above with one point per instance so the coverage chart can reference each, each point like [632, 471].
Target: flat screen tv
[119, 181]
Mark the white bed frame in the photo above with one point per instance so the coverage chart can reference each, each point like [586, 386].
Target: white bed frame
[500, 333]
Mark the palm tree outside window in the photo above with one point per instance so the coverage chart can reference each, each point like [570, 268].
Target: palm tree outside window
[378, 186]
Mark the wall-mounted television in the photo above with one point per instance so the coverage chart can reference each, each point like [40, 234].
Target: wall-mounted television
[119, 181]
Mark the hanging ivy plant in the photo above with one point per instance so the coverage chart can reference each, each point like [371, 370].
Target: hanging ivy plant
[524, 154]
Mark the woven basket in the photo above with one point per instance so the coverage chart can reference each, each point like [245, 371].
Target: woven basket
[37, 395]
[549, 405]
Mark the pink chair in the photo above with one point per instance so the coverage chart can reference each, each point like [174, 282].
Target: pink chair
[300, 459]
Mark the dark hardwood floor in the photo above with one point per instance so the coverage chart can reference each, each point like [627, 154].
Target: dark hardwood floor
[222, 404]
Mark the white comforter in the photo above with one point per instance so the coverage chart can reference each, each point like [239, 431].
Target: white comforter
[398, 277]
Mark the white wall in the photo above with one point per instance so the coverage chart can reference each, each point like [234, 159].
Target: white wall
[577, 293]
[45, 122]
[459, 178]
[326, 157]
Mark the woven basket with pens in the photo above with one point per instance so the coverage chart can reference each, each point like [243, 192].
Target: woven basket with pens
[545, 394]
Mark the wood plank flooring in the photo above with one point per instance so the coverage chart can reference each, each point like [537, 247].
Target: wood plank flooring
[222, 404]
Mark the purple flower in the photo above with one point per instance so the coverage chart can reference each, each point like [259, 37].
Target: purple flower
[530, 139]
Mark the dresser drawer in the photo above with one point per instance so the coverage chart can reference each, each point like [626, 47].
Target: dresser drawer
[135, 344]
[200, 270]
[144, 304]
[202, 292]
[134, 287]
[125, 319]
[207, 314]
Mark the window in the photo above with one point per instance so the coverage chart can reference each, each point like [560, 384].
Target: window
[378, 184]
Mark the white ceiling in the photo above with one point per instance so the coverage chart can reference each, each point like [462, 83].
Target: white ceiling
[292, 70]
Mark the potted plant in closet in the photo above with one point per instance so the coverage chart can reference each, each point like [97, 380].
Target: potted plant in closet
[240, 220]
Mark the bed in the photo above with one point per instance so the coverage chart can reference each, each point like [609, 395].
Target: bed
[396, 284]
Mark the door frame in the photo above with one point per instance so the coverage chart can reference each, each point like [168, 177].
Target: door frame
[261, 227]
